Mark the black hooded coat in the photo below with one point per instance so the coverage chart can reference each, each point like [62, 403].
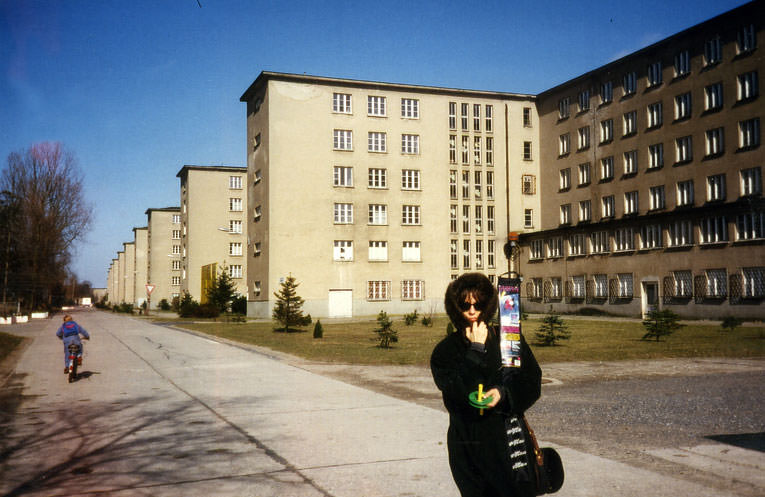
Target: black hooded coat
[478, 445]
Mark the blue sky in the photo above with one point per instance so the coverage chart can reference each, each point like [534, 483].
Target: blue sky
[138, 88]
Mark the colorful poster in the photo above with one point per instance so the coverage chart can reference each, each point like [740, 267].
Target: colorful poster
[510, 321]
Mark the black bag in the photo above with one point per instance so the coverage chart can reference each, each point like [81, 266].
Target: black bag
[548, 466]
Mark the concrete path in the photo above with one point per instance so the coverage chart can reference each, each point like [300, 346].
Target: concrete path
[162, 412]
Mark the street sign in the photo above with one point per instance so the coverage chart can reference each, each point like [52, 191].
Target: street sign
[149, 289]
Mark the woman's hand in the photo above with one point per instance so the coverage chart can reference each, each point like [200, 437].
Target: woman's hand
[495, 397]
[477, 333]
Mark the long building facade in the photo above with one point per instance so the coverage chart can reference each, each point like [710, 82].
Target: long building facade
[651, 180]
[375, 195]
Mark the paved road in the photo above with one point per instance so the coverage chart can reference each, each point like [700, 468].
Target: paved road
[162, 412]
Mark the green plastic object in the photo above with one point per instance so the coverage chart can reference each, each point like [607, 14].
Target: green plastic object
[473, 398]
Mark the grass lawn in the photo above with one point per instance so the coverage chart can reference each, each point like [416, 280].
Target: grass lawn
[7, 344]
[591, 340]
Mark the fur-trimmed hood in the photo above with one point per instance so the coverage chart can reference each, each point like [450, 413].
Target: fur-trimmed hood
[456, 287]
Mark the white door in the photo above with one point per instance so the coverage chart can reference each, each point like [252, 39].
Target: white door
[340, 303]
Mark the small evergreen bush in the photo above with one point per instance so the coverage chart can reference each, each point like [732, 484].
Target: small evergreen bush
[410, 318]
[318, 330]
[661, 323]
[730, 323]
[385, 332]
[551, 330]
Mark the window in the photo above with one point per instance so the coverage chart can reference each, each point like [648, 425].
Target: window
[479, 254]
[528, 218]
[256, 252]
[527, 117]
[478, 218]
[630, 83]
[630, 162]
[606, 92]
[378, 250]
[490, 218]
[235, 270]
[713, 97]
[343, 214]
[716, 188]
[565, 214]
[555, 288]
[477, 177]
[607, 168]
[489, 118]
[528, 184]
[452, 184]
[410, 252]
[749, 133]
[714, 145]
[257, 213]
[624, 240]
[235, 204]
[564, 144]
[176, 249]
[235, 182]
[376, 106]
[680, 233]
[577, 287]
[466, 254]
[410, 108]
[453, 255]
[343, 250]
[565, 179]
[412, 290]
[376, 142]
[377, 178]
[713, 229]
[751, 181]
[717, 286]
[452, 149]
[490, 253]
[342, 139]
[683, 106]
[176, 234]
[607, 204]
[600, 243]
[601, 285]
[584, 174]
[683, 284]
[564, 105]
[629, 123]
[584, 138]
[476, 150]
[465, 150]
[747, 39]
[585, 211]
[377, 214]
[747, 86]
[234, 226]
[577, 245]
[410, 179]
[378, 290]
[656, 198]
[526, 150]
[410, 144]
[754, 282]
[650, 236]
[712, 51]
[684, 193]
[490, 150]
[750, 225]
[683, 149]
[554, 247]
[176, 219]
[654, 74]
[682, 63]
[630, 203]
[476, 117]
[656, 156]
[452, 115]
[466, 184]
[536, 249]
[342, 176]
[584, 100]
[341, 102]
[655, 118]
[625, 285]
[176, 280]
[235, 248]
[464, 116]
[410, 214]
[606, 131]
[175, 265]
[453, 219]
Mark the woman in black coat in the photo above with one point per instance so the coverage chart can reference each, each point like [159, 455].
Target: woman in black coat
[490, 454]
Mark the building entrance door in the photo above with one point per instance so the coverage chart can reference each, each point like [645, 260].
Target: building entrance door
[340, 303]
[650, 296]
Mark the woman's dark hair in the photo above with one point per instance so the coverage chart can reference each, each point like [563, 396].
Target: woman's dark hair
[477, 285]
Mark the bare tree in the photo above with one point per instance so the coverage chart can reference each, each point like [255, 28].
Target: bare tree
[42, 188]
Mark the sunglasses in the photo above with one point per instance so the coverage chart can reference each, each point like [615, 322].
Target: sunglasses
[464, 306]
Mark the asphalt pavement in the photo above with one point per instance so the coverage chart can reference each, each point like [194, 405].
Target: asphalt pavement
[158, 411]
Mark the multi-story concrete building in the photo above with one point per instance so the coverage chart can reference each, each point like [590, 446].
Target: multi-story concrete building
[651, 179]
[212, 230]
[128, 287]
[164, 263]
[375, 195]
[141, 240]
